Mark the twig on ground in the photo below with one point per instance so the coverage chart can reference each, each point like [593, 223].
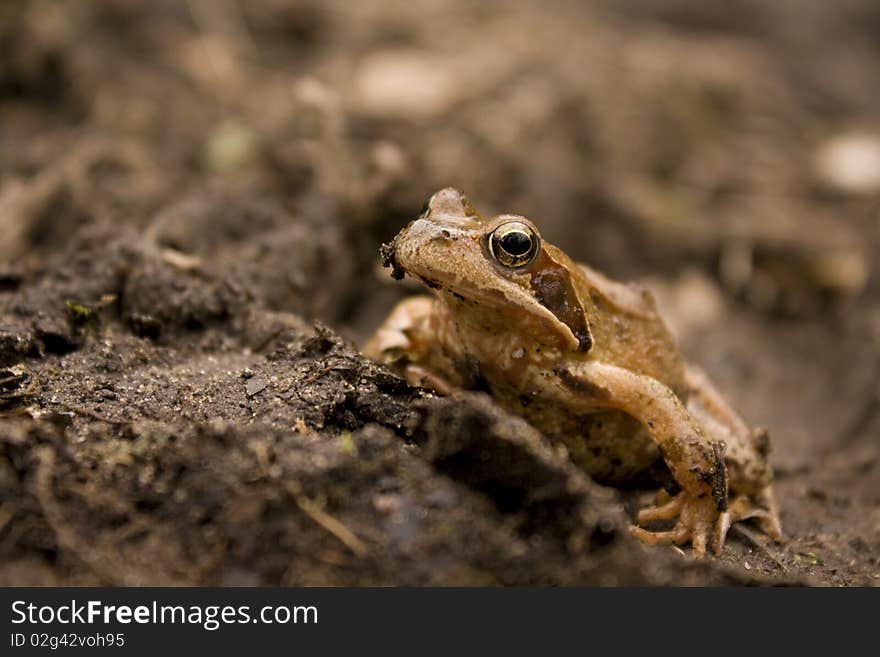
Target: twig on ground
[755, 540]
[92, 414]
[328, 522]
[54, 516]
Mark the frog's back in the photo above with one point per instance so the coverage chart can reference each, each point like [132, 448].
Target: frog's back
[629, 332]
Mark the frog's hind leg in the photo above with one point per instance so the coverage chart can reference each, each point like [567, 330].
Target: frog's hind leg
[751, 494]
[762, 508]
[695, 460]
[712, 410]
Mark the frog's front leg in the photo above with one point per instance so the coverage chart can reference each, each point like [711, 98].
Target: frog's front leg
[695, 460]
[404, 343]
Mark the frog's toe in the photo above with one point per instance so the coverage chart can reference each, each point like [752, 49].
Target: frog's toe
[698, 521]
[667, 511]
[744, 508]
[770, 525]
[719, 536]
[677, 536]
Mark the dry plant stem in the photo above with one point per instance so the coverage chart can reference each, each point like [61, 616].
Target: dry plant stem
[756, 541]
[328, 522]
[100, 563]
[92, 414]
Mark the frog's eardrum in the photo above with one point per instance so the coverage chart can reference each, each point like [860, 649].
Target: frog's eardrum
[553, 289]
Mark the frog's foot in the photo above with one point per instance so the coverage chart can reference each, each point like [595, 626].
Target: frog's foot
[764, 511]
[401, 333]
[698, 521]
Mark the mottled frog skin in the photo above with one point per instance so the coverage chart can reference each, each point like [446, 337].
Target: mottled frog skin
[586, 360]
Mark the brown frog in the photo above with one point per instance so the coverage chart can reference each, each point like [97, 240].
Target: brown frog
[586, 360]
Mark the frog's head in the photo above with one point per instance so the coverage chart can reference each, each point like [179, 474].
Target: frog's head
[496, 271]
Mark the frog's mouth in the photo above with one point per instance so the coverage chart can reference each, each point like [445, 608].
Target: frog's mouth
[388, 252]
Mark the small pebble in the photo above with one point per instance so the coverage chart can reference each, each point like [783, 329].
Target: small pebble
[851, 163]
[255, 386]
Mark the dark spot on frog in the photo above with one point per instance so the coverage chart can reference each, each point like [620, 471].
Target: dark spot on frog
[580, 385]
[430, 283]
[471, 374]
[669, 484]
[716, 476]
[527, 399]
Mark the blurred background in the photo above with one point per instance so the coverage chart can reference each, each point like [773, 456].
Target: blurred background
[726, 153]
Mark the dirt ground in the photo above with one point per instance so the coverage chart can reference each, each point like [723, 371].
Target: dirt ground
[192, 196]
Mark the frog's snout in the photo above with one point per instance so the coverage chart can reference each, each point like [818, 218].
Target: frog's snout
[427, 249]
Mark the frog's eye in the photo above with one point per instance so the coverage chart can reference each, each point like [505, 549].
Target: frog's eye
[514, 244]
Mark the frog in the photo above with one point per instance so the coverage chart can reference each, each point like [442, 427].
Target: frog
[585, 359]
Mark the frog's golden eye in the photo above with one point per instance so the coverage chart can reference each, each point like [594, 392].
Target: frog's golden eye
[514, 244]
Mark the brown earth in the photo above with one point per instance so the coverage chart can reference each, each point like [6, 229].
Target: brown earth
[185, 187]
